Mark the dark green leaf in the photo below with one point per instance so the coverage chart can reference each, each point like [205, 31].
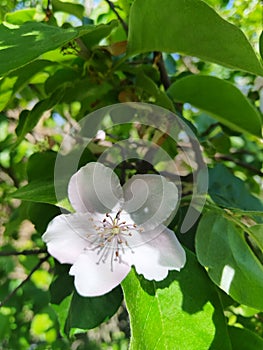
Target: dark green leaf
[256, 232]
[41, 165]
[147, 85]
[221, 248]
[230, 191]
[221, 99]
[244, 339]
[37, 38]
[181, 312]
[189, 27]
[62, 285]
[43, 191]
[87, 313]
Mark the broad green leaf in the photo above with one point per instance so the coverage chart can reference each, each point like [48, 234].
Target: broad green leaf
[244, 339]
[87, 313]
[220, 99]
[229, 191]
[41, 166]
[22, 16]
[181, 312]
[17, 79]
[37, 38]
[65, 76]
[43, 191]
[35, 215]
[62, 284]
[69, 7]
[29, 119]
[189, 27]
[222, 249]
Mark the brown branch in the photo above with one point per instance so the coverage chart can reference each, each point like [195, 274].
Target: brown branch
[10, 295]
[23, 252]
[238, 162]
[158, 60]
[123, 23]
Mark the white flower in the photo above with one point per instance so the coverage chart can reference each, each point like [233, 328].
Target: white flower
[114, 228]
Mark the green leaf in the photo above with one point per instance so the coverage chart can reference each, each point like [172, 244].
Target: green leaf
[74, 9]
[244, 339]
[192, 28]
[17, 79]
[256, 232]
[181, 312]
[43, 191]
[229, 191]
[220, 99]
[37, 38]
[62, 285]
[21, 16]
[221, 248]
[87, 313]
[147, 85]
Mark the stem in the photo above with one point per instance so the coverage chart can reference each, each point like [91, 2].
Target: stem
[112, 7]
[238, 162]
[9, 296]
[158, 60]
[23, 252]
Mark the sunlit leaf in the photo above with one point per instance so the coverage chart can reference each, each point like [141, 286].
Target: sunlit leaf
[221, 248]
[192, 28]
[219, 98]
[181, 312]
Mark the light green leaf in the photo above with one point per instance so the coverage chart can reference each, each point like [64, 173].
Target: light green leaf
[22, 16]
[189, 27]
[181, 312]
[69, 7]
[244, 339]
[256, 232]
[17, 79]
[88, 313]
[220, 99]
[37, 38]
[221, 248]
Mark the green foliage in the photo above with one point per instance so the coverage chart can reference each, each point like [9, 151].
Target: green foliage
[201, 60]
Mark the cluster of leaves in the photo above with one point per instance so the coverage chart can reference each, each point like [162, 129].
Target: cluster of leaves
[59, 62]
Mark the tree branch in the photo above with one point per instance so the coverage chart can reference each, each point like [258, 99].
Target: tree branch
[238, 162]
[158, 60]
[9, 296]
[23, 252]
[123, 23]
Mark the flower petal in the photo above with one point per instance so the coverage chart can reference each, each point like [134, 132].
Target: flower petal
[157, 256]
[94, 188]
[150, 199]
[65, 236]
[93, 279]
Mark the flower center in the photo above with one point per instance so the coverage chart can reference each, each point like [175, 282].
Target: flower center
[111, 238]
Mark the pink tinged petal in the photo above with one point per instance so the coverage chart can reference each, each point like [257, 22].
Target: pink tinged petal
[157, 256]
[92, 279]
[150, 199]
[66, 236]
[94, 188]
